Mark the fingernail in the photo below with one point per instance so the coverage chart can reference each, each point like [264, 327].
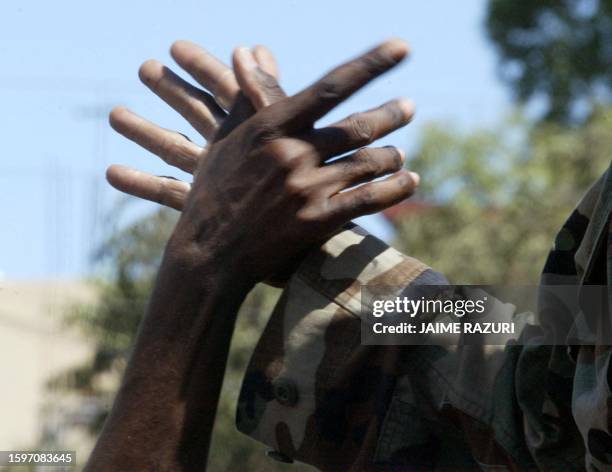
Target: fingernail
[246, 58]
[407, 107]
[397, 48]
[416, 178]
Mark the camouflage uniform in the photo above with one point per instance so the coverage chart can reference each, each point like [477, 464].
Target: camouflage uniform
[314, 393]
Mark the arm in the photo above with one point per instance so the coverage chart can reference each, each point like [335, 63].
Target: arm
[260, 199]
[164, 412]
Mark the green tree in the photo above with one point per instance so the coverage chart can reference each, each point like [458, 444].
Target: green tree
[558, 50]
[499, 196]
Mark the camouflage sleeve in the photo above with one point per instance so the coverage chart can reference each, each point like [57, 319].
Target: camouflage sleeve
[565, 391]
[312, 392]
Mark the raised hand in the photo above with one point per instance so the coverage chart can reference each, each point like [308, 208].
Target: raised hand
[205, 112]
[264, 193]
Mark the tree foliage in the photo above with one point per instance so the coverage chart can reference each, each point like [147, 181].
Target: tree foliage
[501, 195]
[558, 50]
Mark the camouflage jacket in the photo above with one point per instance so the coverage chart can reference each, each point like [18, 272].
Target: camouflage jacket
[314, 393]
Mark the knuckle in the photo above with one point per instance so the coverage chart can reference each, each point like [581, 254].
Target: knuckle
[267, 81]
[263, 129]
[296, 187]
[363, 197]
[305, 216]
[181, 148]
[291, 161]
[377, 62]
[170, 194]
[281, 154]
[361, 129]
[175, 149]
[276, 149]
[161, 194]
[316, 217]
[328, 89]
[170, 147]
[227, 82]
[183, 137]
[366, 162]
[286, 161]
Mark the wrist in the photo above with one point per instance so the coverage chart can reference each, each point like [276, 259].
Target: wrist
[206, 265]
[193, 295]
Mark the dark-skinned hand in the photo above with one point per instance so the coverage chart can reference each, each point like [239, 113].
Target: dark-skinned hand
[264, 192]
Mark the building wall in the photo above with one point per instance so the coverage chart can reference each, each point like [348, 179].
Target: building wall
[35, 344]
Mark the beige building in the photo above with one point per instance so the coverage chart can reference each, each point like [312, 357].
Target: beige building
[35, 345]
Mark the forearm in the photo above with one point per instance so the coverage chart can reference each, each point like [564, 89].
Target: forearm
[165, 409]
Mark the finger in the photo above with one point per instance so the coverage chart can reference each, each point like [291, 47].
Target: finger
[261, 88]
[266, 61]
[374, 196]
[172, 147]
[163, 190]
[362, 129]
[361, 166]
[258, 89]
[207, 70]
[315, 101]
[195, 105]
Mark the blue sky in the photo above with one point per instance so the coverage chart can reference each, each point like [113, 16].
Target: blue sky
[65, 64]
